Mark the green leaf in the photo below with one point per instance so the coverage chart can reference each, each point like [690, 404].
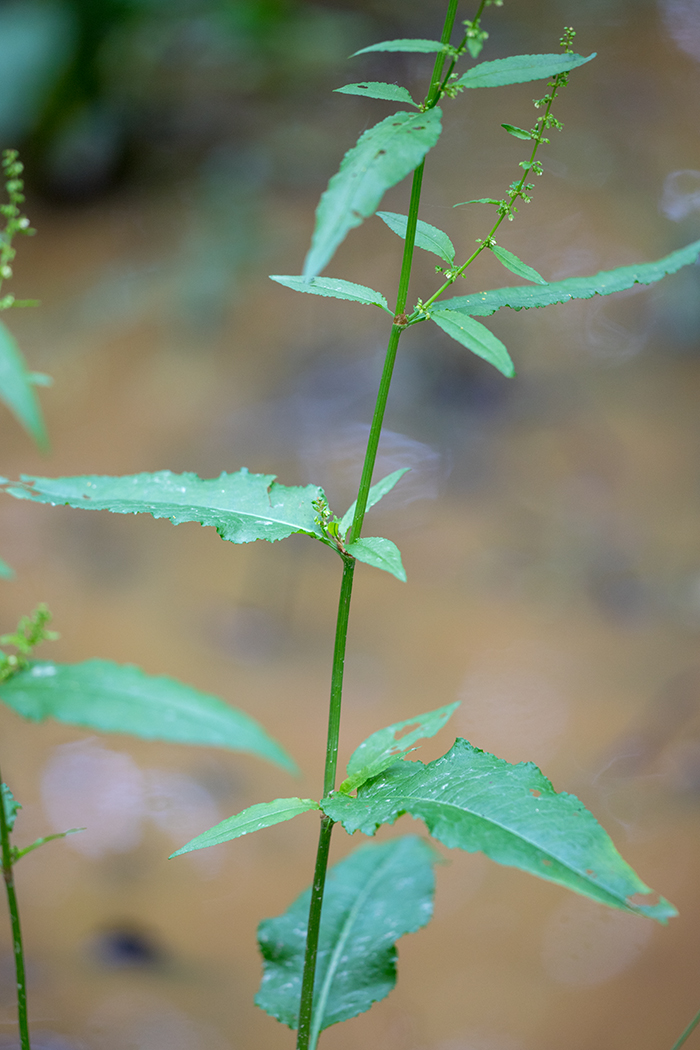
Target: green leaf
[382, 156]
[334, 288]
[474, 801]
[11, 806]
[478, 200]
[6, 571]
[254, 818]
[374, 495]
[428, 237]
[379, 552]
[373, 897]
[242, 506]
[426, 46]
[519, 68]
[476, 337]
[16, 389]
[381, 749]
[519, 133]
[376, 89]
[516, 265]
[114, 698]
[483, 304]
[18, 853]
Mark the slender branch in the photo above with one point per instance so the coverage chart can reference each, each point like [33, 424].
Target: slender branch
[689, 1030]
[8, 876]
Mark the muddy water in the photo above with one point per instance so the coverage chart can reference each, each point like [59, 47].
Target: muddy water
[549, 527]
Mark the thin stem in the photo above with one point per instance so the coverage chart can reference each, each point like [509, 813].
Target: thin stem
[314, 928]
[341, 637]
[8, 876]
[689, 1030]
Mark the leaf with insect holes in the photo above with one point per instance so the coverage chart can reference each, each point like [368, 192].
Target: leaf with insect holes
[335, 289]
[376, 895]
[377, 492]
[377, 89]
[483, 304]
[516, 265]
[428, 237]
[425, 46]
[518, 133]
[473, 801]
[120, 698]
[518, 69]
[17, 388]
[476, 337]
[10, 805]
[254, 818]
[381, 749]
[379, 552]
[382, 156]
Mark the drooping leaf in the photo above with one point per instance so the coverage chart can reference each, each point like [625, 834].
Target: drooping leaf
[335, 289]
[428, 237]
[374, 495]
[120, 698]
[376, 89]
[382, 156]
[474, 801]
[482, 304]
[18, 853]
[518, 133]
[242, 506]
[16, 388]
[372, 898]
[426, 46]
[254, 818]
[379, 552]
[11, 806]
[476, 337]
[381, 749]
[6, 571]
[478, 200]
[520, 68]
[516, 265]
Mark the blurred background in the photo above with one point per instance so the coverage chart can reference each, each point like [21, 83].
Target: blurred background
[175, 151]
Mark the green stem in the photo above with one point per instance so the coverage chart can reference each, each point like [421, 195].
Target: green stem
[8, 876]
[689, 1030]
[313, 930]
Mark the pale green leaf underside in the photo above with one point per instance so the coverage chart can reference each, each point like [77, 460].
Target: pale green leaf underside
[377, 89]
[426, 46]
[16, 388]
[373, 897]
[483, 304]
[242, 507]
[254, 818]
[516, 265]
[116, 698]
[382, 156]
[476, 337]
[334, 288]
[6, 571]
[381, 749]
[474, 801]
[11, 806]
[380, 553]
[428, 237]
[519, 68]
[375, 494]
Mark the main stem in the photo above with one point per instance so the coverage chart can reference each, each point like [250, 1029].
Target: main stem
[305, 1040]
[8, 875]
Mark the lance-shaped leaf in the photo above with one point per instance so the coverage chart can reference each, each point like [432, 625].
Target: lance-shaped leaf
[335, 289]
[518, 133]
[516, 265]
[17, 388]
[372, 898]
[374, 495]
[383, 156]
[428, 237]
[381, 749]
[116, 698]
[426, 46]
[520, 68]
[474, 801]
[10, 805]
[377, 89]
[380, 553]
[254, 818]
[483, 304]
[242, 506]
[476, 337]
[18, 853]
